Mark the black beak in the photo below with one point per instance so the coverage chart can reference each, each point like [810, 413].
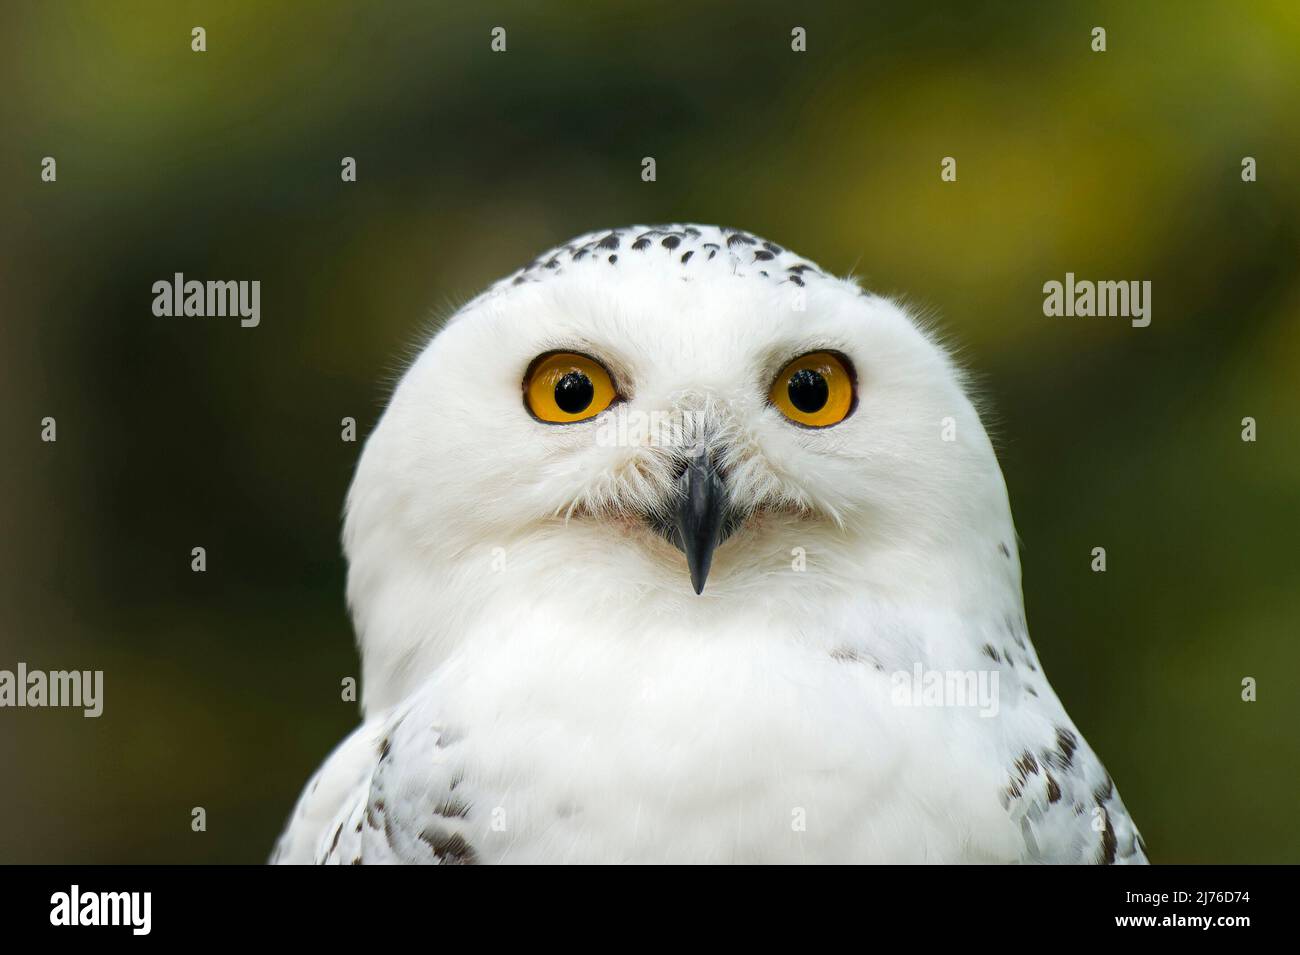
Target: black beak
[701, 507]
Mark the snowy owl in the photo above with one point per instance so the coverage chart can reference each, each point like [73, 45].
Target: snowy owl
[672, 547]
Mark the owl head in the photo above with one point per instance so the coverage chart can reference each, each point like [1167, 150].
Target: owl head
[683, 420]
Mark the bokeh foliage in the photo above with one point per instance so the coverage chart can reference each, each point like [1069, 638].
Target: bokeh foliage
[222, 688]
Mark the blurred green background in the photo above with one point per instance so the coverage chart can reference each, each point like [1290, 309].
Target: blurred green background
[222, 689]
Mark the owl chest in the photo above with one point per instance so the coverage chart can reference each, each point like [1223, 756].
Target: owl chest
[695, 753]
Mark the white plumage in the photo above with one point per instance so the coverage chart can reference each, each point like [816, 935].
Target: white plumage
[542, 683]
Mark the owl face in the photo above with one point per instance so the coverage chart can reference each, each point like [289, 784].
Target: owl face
[678, 411]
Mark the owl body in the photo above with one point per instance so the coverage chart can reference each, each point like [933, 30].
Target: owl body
[693, 627]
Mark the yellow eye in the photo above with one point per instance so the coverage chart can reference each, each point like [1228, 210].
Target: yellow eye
[815, 390]
[563, 387]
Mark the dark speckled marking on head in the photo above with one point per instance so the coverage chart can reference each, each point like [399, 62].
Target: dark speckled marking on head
[736, 253]
[1005, 552]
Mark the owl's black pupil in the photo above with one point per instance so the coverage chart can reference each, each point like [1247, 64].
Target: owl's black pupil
[573, 392]
[808, 390]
